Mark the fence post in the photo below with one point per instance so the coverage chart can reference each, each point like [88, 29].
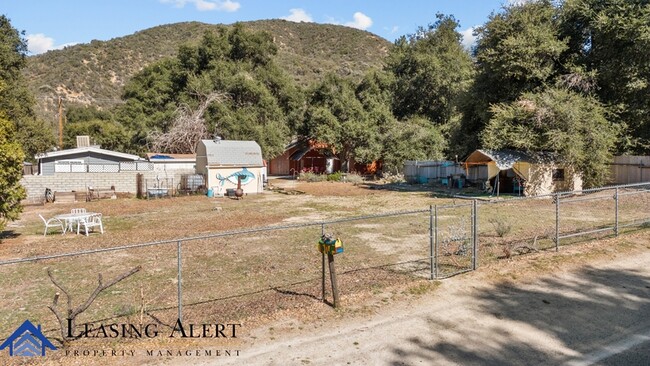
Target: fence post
[322, 232]
[431, 249]
[180, 280]
[435, 238]
[474, 234]
[557, 222]
[616, 212]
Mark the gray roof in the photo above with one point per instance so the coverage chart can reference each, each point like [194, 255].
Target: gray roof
[88, 149]
[506, 159]
[233, 153]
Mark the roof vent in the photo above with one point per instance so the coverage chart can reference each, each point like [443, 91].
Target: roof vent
[217, 138]
[83, 141]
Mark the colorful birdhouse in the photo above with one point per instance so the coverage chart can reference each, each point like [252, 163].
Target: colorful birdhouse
[330, 246]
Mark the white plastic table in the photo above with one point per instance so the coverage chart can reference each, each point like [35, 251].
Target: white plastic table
[73, 218]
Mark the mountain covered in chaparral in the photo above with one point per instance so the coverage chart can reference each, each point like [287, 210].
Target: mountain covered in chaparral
[94, 73]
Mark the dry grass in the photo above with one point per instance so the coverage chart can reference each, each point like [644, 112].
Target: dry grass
[257, 277]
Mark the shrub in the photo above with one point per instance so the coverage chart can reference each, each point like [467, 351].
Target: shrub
[334, 177]
[354, 178]
[501, 227]
[311, 177]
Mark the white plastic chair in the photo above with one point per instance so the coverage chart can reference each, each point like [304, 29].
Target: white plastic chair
[78, 210]
[91, 222]
[53, 222]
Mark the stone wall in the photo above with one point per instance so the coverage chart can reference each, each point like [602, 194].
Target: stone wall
[124, 182]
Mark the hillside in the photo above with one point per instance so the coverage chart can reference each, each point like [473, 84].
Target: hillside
[94, 73]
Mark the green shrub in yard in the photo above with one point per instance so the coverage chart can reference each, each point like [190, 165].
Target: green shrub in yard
[334, 177]
[311, 177]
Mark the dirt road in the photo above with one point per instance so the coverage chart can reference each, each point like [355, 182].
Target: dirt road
[586, 315]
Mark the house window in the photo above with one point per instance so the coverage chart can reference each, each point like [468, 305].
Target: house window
[558, 174]
[69, 166]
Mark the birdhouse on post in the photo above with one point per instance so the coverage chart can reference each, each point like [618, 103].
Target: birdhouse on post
[329, 246]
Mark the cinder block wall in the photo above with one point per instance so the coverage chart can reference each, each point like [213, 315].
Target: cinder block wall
[124, 182]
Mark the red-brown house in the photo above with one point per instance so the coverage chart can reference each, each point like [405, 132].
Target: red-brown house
[308, 155]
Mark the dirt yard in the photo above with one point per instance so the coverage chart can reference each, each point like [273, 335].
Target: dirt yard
[270, 281]
[582, 306]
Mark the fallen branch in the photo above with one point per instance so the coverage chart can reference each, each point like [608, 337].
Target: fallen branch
[520, 248]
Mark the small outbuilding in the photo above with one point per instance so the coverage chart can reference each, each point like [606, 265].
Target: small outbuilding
[509, 171]
[305, 155]
[172, 162]
[224, 161]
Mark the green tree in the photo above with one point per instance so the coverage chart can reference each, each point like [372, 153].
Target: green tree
[234, 62]
[413, 139]
[431, 69]
[82, 113]
[15, 107]
[611, 40]
[572, 126]
[35, 137]
[335, 116]
[11, 162]
[518, 50]
[16, 101]
[109, 135]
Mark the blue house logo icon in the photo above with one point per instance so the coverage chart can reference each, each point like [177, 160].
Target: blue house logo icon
[27, 340]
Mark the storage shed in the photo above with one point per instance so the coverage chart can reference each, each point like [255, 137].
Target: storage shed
[223, 161]
[509, 171]
[305, 155]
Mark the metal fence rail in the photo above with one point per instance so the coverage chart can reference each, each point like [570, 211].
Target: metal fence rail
[434, 243]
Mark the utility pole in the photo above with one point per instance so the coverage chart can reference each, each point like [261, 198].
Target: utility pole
[60, 124]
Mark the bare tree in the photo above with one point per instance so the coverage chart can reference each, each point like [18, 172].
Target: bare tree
[72, 313]
[187, 129]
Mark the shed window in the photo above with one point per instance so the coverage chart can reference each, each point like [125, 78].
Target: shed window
[558, 174]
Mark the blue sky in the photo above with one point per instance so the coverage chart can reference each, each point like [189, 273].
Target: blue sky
[53, 24]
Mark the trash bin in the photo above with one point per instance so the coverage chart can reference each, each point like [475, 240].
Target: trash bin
[210, 193]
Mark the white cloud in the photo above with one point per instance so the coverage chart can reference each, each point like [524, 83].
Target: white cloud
[469, 39]
[361, 21]
[298, 15]
[229, 6]
[207, 5]
[40, 43]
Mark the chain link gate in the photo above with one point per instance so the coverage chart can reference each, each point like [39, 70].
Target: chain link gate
[454, 239]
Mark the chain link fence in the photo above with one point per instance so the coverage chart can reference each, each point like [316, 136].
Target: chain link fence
[236, 275]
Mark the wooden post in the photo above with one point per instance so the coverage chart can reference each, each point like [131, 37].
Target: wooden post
[60, 124]
[335, 288]
[322, 232]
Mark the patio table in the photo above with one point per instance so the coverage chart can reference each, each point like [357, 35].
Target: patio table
[73, 218]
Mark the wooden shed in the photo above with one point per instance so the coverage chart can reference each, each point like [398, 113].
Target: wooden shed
[223, 161]
[304, 155]
[509, 171]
